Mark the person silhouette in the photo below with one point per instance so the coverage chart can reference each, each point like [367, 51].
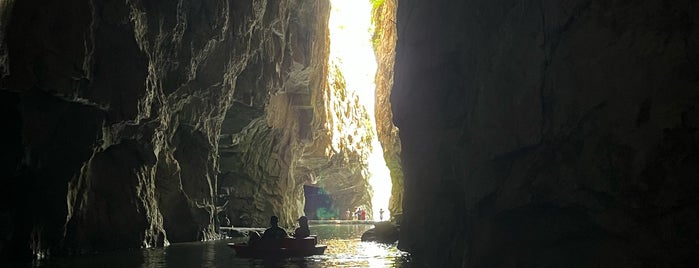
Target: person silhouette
[303, 230]
[381, 214]
[274, 232]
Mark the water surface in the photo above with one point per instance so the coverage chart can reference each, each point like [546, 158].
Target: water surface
[344, 250]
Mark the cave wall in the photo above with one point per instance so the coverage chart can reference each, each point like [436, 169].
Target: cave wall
[343, 169]
[265, 132]
[549, 133]
[310, 131]
[114, 112]
[384, 41]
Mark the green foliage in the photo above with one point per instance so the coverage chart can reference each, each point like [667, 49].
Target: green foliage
[377, 34]
[376, 3]
[376, 41]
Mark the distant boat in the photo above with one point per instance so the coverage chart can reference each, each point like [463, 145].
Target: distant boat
[279, 248]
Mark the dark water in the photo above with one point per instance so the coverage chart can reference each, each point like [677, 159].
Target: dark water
[344, 250]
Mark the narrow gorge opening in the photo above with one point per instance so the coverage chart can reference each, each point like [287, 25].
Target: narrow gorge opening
[352, 95]
[325, 125]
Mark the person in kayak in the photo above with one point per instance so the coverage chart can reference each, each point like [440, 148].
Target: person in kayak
[303, 230]
[274, 232]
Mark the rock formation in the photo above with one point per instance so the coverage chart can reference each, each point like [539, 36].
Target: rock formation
[271, 147]
[115, 113]
[383, 232]
[265, 132]
[141, 123]
[553, 133]
[384, 17]
[549, 133]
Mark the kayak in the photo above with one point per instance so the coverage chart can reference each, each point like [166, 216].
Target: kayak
[279, 248]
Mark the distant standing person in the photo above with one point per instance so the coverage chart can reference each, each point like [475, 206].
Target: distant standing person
[303, 230]
[274, 232]
[363, 214]
[358, 214]
[381, 214]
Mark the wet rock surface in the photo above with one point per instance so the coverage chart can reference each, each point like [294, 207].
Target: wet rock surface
[552, 133]
[383, 232]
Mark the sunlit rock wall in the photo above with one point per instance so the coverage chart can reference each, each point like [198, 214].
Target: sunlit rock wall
[348, 129]
[549, 133]
[302, 130]
[113, 111]
[262, 144]
[384, 40]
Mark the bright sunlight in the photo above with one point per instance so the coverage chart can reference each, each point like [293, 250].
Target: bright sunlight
[352, 51]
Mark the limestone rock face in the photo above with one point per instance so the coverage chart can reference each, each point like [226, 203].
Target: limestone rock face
[113, 114]
[384, 17]
[266, 137]
[306, 132]
[550, 133]
[345, 173]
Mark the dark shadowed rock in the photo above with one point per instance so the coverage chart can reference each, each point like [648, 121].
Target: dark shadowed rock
[549, 134]
[383, 232]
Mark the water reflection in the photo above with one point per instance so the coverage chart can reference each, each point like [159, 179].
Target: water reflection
[344, 250]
